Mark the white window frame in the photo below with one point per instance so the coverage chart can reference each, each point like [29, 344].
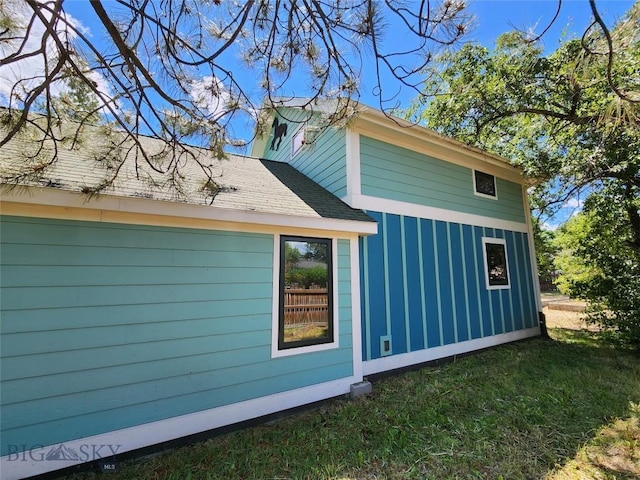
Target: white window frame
[475, 185]
[496, 241]
[275, 314]
[297, 141]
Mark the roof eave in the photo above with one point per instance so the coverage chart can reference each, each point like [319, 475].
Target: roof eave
[120, 209]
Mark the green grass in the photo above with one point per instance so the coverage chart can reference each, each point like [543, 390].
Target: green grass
[293, 333]
[567, 408]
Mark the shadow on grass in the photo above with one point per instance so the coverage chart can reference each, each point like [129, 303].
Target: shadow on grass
[582, 336]
[533, 409]
[612, 449]
[613, 452]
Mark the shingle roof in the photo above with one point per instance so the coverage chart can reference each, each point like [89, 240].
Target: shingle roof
[244, 183]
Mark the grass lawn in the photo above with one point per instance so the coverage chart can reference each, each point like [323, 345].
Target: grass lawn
[294, 333]
[561, 409]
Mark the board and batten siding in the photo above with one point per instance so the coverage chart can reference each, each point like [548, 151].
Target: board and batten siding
[107, 326]
[423, 285]
[396, 173]
[323, 161]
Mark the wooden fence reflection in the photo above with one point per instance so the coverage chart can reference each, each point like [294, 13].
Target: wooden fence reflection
[305, 306]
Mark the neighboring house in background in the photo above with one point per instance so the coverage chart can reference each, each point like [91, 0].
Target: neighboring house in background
[133, 319]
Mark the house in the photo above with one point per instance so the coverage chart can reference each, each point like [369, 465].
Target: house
[139, 317]
[452, 267]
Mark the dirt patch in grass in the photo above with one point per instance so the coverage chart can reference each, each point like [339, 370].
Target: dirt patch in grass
[568, 320]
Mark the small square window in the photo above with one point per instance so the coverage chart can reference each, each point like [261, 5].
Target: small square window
[303, 138]
[297, 142]
[485, 184]
[306, 292]
[496, 265]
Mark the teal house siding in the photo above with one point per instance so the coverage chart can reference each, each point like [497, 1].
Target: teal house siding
[423, 285]
[396, 173]
[345, 306]
[137, 334]
[323, 161]
[294, 118]
[107, 326]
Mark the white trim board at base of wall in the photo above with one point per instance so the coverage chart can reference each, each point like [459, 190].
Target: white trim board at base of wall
[402, 360]
[16, 465]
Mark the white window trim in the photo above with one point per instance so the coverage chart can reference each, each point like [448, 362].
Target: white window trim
[485, 265]
[275, 309]
[298, 135]
[475, 189]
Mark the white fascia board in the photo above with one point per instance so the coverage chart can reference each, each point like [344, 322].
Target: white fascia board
[377, 204]
[165, 211]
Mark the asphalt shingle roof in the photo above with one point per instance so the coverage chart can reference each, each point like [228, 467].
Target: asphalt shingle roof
[244, 183]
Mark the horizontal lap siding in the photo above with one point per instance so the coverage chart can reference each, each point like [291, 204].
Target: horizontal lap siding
[324, 161]
[108, 326]
[396, 173]
[423, 283]
[344, 309]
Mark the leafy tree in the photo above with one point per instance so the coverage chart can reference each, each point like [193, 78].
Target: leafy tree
[569, 119]
[599, 264]
[316, 251]
[571, 258]
[546, 252]
[76, 103]
[291, 255]
[168, 68]
[306, 277]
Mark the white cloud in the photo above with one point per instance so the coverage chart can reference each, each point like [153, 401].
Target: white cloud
[210, 93]
[26, 71]
[550, 226]
[17, 78]
[574, 203]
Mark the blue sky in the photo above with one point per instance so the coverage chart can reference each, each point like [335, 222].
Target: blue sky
[498, 16]
[493, 17]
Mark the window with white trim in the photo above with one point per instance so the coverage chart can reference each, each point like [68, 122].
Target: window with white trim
[304, 137]
[495, 263]
[297, 141]
[484, 184]
[305, 316]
